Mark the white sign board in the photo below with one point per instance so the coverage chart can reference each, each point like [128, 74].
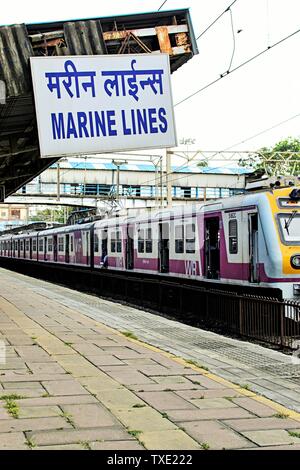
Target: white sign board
[103, 103]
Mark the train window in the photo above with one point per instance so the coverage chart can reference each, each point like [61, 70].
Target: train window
[179, 239]
[41, 245]
[233, 236]
[61, 244]
[72, 243]
[50, 245]
[190, 238]
[119, 242]
[289, 224]
[96, 243]
[113, 242]
[34, 244]
[141, 241]
[27, 245]
[21, 245]
[148, 240]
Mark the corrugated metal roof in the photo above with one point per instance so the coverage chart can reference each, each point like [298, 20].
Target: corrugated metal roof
[97, 165]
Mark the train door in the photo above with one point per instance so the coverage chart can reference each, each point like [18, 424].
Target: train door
[104, 247]
[45, 248]
[212, 248]
[30, 248]
[18, 248]
[87, 246]
[164, 242]
[129, 257]
[67, 258]
[55, 248]
[253, 248]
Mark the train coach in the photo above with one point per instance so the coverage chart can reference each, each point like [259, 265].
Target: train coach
[247, 240]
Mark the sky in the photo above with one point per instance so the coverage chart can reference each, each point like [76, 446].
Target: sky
[254, 98]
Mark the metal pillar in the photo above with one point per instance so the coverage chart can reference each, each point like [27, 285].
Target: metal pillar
[58, 181]
[169, 179]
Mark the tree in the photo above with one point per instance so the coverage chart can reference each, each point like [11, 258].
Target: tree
[52, 215]
[281, 159]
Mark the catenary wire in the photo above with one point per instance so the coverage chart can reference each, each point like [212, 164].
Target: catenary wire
[163, 3]
[218, 17]
[242, 64]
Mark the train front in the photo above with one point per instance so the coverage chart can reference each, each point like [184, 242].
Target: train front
[285, 205]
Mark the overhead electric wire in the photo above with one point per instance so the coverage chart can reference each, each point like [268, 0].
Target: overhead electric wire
[162, 5]
[237, 67]
[211, 24]
[233, 38]
[226, 149]
[262, 132]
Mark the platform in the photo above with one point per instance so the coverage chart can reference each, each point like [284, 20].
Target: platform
[84, 373]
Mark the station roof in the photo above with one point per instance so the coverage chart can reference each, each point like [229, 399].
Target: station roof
[167, 31]
[148, 167]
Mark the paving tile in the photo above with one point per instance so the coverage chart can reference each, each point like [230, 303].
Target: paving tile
[3, 412]
[144, 419]
[204, 381]
[33, 353]
[156, 387]
[61, 447]
[116, 445]
[173, 379]
[119, 399]
[20, 340]
[24, 385]
[271, 437]
[104, 360]
[140, 361]
[172, 440]
[39, 411]
[129, 377]
[279, 447]
[197, 415]
[64, 387]
[100, 383]
[213, 403]
[73, 436]
[17, 363]
[89, 415]
[24, 392]
[58, 400]
[12, 441]
[215, 435]
[165, 401]
[256, 424]
[86, 349]
[203, 393]
[45, 367]
[254, 406]
[32, 424]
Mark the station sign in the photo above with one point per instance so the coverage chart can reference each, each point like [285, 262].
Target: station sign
[103, 103]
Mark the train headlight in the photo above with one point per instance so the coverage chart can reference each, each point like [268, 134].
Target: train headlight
[295, 261]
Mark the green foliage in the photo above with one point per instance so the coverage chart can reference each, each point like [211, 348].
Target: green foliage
[52, 215]
[281, 159]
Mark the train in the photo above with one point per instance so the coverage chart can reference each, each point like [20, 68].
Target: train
[252, 239]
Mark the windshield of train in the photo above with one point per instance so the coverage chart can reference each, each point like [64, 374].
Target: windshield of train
[289, 224]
